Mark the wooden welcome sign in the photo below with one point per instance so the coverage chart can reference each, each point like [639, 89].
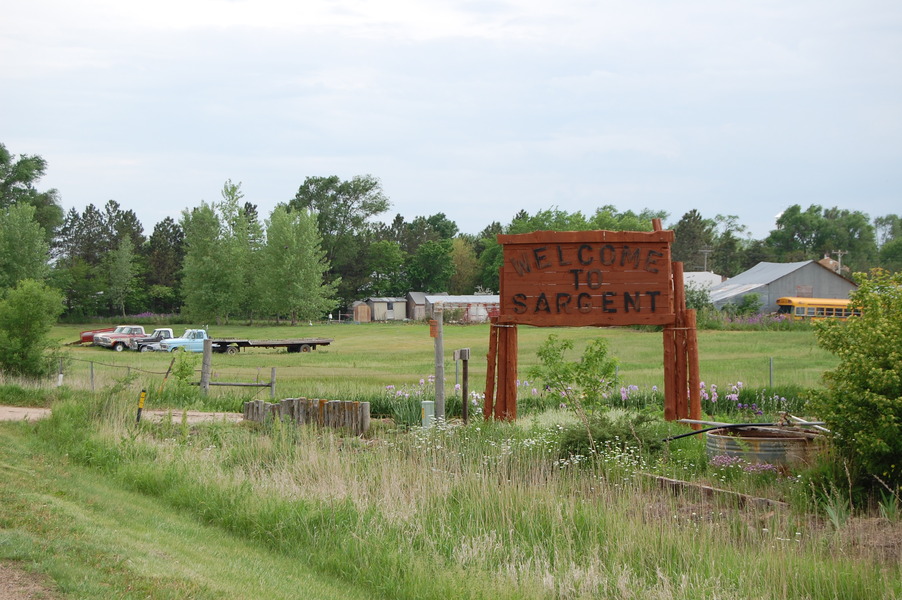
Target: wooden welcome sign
[599, 279]
[583, 278]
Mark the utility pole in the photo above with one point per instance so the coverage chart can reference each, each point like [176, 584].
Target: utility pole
[839, 254]
[706, 250]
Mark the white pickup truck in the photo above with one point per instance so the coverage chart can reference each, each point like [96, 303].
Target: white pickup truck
[151, 343]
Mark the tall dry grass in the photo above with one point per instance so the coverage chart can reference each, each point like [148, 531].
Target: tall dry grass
[483, 511]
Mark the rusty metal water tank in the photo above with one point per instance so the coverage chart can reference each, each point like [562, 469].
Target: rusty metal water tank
[775, 446]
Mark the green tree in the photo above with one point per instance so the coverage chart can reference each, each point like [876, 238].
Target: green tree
[26, 315]
[24, 250]
[387, 271]
[466, 267]
[343, 211]
[209, 281]
[862, 404]
[18, 177]
[693, 240]
[891, 255]
[887, 229]
[815, 232]
[609, 218]
[164, 253]
[430, 268]
[293, 261]
[121, 265]
[242, 239]
[84, 247]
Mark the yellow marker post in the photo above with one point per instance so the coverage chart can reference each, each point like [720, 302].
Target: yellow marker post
[141, 404]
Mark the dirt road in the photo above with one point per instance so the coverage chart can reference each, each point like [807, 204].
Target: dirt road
[18, 413]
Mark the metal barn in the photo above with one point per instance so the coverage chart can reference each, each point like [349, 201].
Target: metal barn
[807, 279]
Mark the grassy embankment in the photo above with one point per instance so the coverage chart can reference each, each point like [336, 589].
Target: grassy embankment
[478, 512]
[485, 511]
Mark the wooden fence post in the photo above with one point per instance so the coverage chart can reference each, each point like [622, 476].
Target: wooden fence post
[438, 317]
[206, 367]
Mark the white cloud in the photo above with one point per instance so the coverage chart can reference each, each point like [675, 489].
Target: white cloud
[481, 107]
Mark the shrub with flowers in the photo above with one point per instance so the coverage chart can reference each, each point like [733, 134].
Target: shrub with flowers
[737, 400]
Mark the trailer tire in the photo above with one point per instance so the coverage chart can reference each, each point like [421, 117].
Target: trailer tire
[232, 350]
[306, 348]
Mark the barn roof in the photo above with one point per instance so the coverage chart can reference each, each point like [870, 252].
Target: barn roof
[468, 299]
[758, 276]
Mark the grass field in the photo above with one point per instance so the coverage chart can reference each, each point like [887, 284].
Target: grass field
[111, 508]
[368, 357]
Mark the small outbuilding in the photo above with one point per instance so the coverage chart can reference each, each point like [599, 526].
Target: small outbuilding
[361, 312]
[770, 281]
[416, 304]
[475, 308]
[387, 308]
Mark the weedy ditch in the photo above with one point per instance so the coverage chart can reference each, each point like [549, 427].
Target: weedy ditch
[487, 510]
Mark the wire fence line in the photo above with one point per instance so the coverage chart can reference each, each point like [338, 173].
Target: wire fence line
[128, 367]
[204, 383]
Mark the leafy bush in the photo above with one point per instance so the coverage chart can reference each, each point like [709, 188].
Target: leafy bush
[582, 384]
[617, 429]
[26, 316]
[862, 404]
[750, 304]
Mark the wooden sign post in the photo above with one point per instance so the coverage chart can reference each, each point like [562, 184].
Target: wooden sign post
[599, 279]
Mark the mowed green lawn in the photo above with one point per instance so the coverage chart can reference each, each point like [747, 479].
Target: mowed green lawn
[97, 540]
[365, 358]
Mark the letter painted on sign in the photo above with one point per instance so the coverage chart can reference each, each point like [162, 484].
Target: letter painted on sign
[576, 273]
[519, 303]
[580, 255]
[653, 296]
[593, 279]
[629, 256]
[607, 299]
[560, 258]
[650, 261]
[584, 302]
[542, 304]
[520, 265]
[563, 302]
[539, 254]
[630, 300]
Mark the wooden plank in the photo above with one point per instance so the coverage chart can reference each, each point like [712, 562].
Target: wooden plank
[670, 382]
[681, 375]
[510, 405]
[695, 395]
[591, 236]
[492, 361]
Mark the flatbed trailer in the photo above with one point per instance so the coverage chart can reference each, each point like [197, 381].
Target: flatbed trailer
[234, 345]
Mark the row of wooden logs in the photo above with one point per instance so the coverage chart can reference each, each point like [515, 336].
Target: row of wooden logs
[354, 417]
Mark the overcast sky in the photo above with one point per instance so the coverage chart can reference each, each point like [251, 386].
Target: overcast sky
[474, 109]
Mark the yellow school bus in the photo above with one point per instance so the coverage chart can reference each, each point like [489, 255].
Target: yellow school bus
[814, 308]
